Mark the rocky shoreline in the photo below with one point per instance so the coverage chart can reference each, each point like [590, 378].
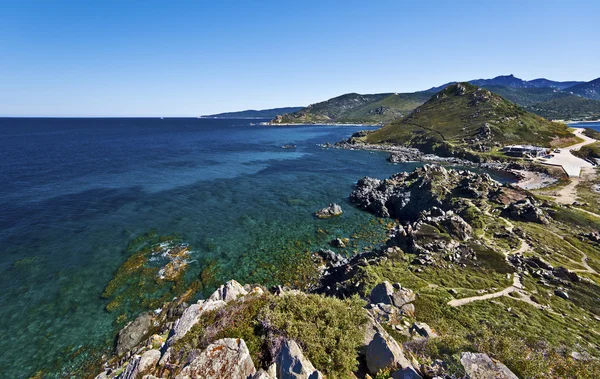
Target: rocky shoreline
[346, 324]
[526, 176]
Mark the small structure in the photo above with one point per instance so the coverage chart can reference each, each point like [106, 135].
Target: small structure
[524, 151]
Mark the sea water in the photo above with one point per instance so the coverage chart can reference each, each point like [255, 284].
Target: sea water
[75, 192]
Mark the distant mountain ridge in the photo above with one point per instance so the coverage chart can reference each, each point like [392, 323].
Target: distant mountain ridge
[514, 82]
[591, 89]
[251, 113]
[548, 98]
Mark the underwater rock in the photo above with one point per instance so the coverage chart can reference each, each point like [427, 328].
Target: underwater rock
[331, 211]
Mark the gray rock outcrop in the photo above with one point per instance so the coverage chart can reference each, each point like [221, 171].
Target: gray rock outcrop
[331, 211]
[133, 333]
[190, 317]
[481, 366]
[384, 352]
[291, 363]
[225, 358]
[228, 291]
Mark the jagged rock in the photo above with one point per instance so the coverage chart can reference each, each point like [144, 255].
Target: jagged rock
[481, 366]
[331, 258]
[291, 363]
[526, 210]
[148, 360]
[228, 291]
[561, 293]
[133, 333]
[270, 373]
[395, 295]
[332, 210]
[563, 273]
[384, 352]
[405, 155]
[593, 236]
[339, 242]
[190, 317]
[372, 327]
[421, 329]
[382, 293]
[404, 196]
[225, 358]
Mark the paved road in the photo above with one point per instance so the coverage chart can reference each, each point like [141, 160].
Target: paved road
[570, 163]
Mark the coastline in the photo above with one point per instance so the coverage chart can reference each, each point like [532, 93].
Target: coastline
[316, 124]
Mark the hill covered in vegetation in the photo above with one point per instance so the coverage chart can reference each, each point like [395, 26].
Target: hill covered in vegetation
[251, 113]
[357, 108]
[465, 117]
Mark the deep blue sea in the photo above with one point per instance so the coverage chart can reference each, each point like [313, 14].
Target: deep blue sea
[75, 192]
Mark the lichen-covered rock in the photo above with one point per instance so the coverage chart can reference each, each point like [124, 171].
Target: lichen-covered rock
[190, 317]
[291, 363]
[331, 211]
[384, 352]
[270, 373]
[228, 291]
[225, 358]
[481, 366]
[148, 360]
[133, 333]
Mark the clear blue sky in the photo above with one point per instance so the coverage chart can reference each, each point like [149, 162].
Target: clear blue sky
[187, 58]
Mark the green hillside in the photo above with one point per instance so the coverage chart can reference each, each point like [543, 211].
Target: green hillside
[357, 108]
[569, 107]
[465, 117]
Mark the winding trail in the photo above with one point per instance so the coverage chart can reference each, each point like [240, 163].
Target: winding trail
[516, 286]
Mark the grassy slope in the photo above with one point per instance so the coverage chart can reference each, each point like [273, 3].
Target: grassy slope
[356, 108]
[459, 111]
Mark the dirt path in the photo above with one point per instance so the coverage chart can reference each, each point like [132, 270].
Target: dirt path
[584, 258]
[569, 162]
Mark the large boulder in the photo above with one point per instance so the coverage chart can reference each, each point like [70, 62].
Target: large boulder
[291, 363]
[384, 352]
[331, 211]
[481, 366]
[394, 295]
[133, 333]
[382, 293]
[225, 358]
[526, 210]
[228, 291]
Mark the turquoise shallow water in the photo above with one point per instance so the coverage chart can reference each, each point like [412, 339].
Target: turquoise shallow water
[76, 191]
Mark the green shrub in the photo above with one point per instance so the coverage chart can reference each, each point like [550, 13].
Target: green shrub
[329, 330]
